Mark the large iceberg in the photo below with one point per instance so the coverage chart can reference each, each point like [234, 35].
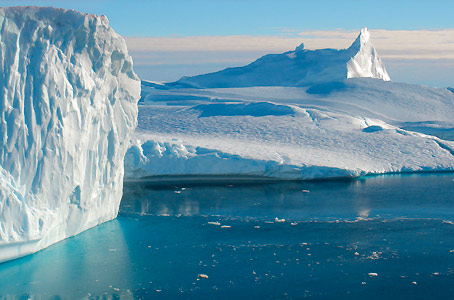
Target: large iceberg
[68, 105]
[300, 67]
[350, 128]
[298, 115]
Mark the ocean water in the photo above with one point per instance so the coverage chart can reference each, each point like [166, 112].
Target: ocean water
[382, 237]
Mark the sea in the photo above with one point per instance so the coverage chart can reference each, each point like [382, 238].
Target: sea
[374, 237]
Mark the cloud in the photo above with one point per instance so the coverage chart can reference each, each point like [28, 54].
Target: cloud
[414, 56]
[212, 43]
[390, 44]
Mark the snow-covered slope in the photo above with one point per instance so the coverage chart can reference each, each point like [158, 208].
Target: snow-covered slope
[68, 104]
[340, 129]
[297, 68]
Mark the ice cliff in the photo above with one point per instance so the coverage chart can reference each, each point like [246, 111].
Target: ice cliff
[301, 67]
[68, 105]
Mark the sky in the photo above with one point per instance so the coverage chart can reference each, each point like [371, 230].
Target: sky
[172, 38]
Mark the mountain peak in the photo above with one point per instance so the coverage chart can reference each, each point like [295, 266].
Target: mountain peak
[364, 35]
[300, 47]
[364, 60]
[362, 40]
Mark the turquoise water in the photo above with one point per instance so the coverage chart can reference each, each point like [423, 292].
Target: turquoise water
[384, 237]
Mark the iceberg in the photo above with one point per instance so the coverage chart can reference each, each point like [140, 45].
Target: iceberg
[350, 128]
[298, 115]
[293, 116]
[68, 106]
[364, 61]
[300, 67]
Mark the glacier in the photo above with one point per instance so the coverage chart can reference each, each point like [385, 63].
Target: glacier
[300, 67]
[251, 123]
[68, 106]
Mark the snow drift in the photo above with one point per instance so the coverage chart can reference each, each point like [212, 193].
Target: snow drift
[297, 68]
[68, 105]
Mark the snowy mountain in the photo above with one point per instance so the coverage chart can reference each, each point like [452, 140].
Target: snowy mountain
[298, 68]
[69, 103]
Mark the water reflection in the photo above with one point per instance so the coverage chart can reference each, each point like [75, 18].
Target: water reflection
[62, 270]
[380, 196]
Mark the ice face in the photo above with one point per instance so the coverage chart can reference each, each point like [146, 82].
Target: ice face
[68, 105]
[364, 60]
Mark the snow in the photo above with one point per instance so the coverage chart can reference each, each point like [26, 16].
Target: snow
[297, 68]
[69, 103]
[350, 128]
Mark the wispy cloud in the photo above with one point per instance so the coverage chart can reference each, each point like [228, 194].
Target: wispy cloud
[212, 43]
[391, 44]
[420, 56]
